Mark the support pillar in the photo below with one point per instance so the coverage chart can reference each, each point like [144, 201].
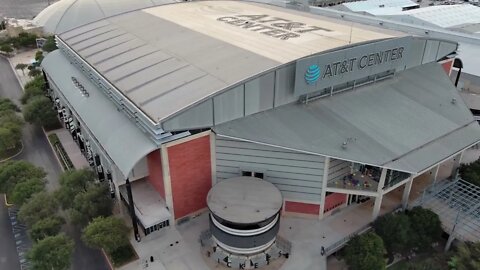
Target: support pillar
[449, 242]
[456, 164]
[132, 210]
[434, 177]
[324, 186]
[167, 184]
[379, 197]
[406, 193]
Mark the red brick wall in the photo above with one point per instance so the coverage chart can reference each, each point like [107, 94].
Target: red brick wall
[154, 163]
[447, 66]
[190, 174]
[303, 208]
[334, 200]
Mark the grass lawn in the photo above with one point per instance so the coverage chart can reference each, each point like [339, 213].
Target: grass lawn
[123, 255]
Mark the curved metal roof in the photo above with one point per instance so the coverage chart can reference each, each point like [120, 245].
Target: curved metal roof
[65, 15]
[129, 144]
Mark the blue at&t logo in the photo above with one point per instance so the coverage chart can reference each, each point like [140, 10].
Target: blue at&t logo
[312, 74]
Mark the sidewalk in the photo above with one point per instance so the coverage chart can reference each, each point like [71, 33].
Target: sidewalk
[71, 148]
[22, 58]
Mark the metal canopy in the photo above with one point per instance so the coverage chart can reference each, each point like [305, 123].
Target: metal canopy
[406, 123]
[458, 206]
[122, 140]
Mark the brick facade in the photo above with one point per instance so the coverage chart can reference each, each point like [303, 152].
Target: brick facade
[190, 174]
[154, 163]
[334, 200]
[302, 208]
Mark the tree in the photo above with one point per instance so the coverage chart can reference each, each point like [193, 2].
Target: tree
[7, 105]
[395, 230]
[26, 189]
[34, 72]
[109, 233]
[13, 172]
[6, 48]
[40, 206]
[49, 226]
[466, 257]
[471, 172]
[39, 111]
[24, 39]
[426, 227]
[72, 183]
[91, 204]
[50, 44]
[365, 252]
[34, 87]
[39, 57]
[21, 67]
[52, 253]
[10, 130]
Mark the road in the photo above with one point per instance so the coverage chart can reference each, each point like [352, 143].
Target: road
[22, 9]
[37, 151]
[8, 253]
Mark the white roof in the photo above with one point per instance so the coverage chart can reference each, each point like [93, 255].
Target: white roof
[375, 4]
[445, 16]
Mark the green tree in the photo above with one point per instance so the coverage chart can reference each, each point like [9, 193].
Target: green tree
[49, 226]
[7, 105]
[52, 253]
[91, 204]
[72, 183]
[34, 72]
[109, 233]
[395, 231]
[467, 257]
[39, 111]
[40, 206]
[6, 48]
[50, 44]
[10, 130]
[39, 57]
[24, 39]
[13, 172]
[365, 252]
[471, 172]
[21, 67]
[426, 227]
[33, 88]
[26, 189]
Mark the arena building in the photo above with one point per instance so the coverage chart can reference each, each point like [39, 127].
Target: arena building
[178, 97]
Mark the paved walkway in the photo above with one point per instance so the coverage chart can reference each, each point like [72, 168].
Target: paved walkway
[71, 147]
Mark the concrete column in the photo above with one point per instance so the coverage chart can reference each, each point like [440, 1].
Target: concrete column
[379, 197]
[456, 163]
[324, 186]
[406, 192]
[434, 176]
[167, 184]
[213, 158]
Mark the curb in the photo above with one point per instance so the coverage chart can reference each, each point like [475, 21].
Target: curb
[53, 150]
[16, 75]
[19, 152]
[6, 202]
[108, 260]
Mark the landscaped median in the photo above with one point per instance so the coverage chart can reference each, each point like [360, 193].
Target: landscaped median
[60, 152]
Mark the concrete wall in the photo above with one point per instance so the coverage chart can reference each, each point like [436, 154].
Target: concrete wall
[297, 175]
[190, 174]
[155, 170]
[140, 170]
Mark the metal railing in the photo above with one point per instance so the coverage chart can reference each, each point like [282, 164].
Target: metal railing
[340, 243]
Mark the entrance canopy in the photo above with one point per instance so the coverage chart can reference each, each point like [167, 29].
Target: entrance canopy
[407, 123]
[123, 141]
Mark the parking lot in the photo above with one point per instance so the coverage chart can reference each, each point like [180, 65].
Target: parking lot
[8, 251]
[22, 9]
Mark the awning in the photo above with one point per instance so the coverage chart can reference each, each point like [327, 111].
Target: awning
[406, 123]
[123, 141]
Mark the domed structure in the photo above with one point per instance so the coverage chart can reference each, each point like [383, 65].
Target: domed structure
[65, 15]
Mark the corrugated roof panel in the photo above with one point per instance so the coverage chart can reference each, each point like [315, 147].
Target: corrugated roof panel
[138, 65]
[403, 116]
[116, 34]
[112, 50]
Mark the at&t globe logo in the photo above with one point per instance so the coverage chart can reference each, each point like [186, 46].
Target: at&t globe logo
[312, 74]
